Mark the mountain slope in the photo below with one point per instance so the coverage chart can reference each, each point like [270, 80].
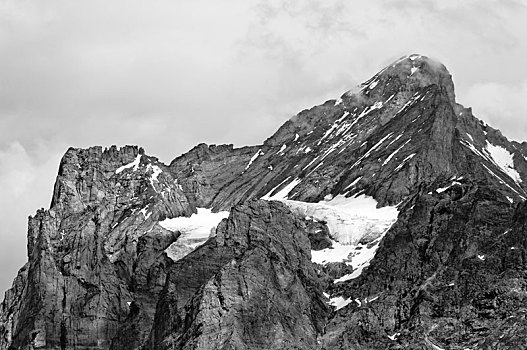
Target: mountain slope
[303, 259]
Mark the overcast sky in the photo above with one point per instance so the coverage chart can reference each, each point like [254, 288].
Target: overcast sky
[167, 75]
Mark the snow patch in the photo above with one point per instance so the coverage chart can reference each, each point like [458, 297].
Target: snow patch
[500, 157]
[367, 154]
[284, 192]
[373, 299]
[394, 336]
[353, 183]
[501, 181]
[156, 171]
[339, 302]
[404, 162]
[394, 153]
[145, 213]
[366, 111]
[337, 253]
[359, 258]
[335, 126]
[394, 140]
[443, 189]
[134, 164]
[348, 219]
[256, 155]
[503, 159]
[282, 149]
[195, 230]
[389, 98]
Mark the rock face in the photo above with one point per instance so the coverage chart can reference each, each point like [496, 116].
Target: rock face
[450, 273]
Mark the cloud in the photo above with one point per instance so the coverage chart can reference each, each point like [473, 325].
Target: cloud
[25, 182]
[501, 106]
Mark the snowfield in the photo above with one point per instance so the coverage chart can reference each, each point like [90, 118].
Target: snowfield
[504, 160]
[356, 226]
[195, 230]
[348, 219]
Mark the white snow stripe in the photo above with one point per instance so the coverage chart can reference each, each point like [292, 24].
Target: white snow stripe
[134, 164]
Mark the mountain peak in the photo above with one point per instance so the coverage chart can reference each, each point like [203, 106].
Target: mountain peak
[410, 73]
[416, 63]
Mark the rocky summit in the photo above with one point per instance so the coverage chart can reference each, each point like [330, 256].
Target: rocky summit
[388, 218]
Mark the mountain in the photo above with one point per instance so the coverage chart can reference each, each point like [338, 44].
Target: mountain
[388, 218]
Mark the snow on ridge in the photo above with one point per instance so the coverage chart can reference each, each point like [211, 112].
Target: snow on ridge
[473, 149]
[389, 98]
[501, 181]
[353, 183]
[335, 126]
[256, 155]
[367, 154]
[399, 167]
[394, 140]
[411, 100]
[195, 230]
[156, 171]
[501, 158]
[367, 110]
[134, 164]
[394, 152]
[443, 189]
[284, 192]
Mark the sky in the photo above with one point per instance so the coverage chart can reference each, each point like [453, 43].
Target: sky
[167, 75]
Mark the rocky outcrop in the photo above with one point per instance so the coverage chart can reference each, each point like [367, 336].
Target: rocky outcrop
[250, 287]
[448, 274]
[93, 252]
